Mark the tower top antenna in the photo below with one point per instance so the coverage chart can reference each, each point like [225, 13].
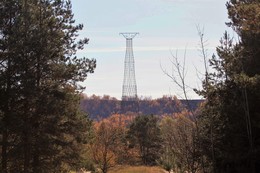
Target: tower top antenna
[129, 35]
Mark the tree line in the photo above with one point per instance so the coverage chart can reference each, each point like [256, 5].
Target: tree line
[98, 107]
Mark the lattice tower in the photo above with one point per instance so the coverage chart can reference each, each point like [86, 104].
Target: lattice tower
[129, 92]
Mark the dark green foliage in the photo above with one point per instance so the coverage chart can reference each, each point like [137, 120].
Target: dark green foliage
[230, 117]
[42, 128]
[144, 134]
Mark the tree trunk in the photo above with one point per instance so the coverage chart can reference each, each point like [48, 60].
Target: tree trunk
[4, 151]
[26, 153]
[26, 147]
[36, 161]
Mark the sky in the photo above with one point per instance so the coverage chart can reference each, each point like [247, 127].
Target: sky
[165, 27]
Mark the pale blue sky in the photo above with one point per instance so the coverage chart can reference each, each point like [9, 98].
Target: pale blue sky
[163, 25]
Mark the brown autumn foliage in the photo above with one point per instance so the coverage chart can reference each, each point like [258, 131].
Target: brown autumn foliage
[110, 147]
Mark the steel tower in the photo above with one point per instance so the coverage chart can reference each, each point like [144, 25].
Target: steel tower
[129, 92]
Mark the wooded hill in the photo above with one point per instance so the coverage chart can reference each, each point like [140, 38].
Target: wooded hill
[99, 107]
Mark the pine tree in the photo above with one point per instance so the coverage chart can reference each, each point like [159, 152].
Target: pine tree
[230, 117]
[144, 134]
[41, 125]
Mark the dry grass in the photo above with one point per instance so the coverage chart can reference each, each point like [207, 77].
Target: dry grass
[136, 169]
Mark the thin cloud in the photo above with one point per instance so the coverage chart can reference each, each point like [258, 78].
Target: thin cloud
[138, 49]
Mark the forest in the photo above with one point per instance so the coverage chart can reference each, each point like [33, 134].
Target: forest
[99, 107]
[48, 126]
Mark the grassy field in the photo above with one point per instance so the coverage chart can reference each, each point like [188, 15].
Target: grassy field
[137, 169]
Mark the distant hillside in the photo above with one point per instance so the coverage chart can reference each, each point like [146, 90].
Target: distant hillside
[102, 107]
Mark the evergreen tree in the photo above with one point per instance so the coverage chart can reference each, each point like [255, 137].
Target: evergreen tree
[144, 134]
[42, 128]
[230, 117]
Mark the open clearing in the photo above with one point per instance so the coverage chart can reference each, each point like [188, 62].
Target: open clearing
[136, 169]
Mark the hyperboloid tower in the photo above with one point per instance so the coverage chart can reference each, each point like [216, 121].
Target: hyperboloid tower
[129, 94]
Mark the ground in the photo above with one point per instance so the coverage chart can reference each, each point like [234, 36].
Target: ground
[137, 169]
